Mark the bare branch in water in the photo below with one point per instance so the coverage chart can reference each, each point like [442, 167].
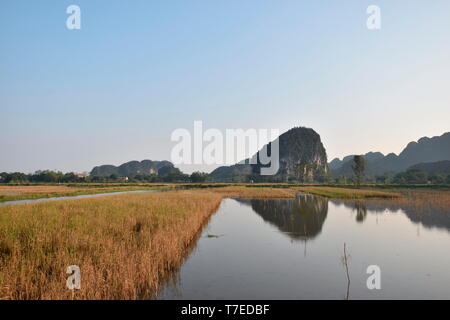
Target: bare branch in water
[345, 262]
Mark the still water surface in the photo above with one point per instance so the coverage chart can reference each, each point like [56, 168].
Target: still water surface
[293, 249]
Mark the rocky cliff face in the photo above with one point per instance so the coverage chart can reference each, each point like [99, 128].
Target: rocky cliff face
[302, 157]
[302, 154]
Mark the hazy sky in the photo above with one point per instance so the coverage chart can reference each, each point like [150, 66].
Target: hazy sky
[116, 89]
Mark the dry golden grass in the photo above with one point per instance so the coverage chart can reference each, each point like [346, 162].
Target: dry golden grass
[125, 245]
[252, 192]
[426, 198]
[289, 192]
[11, 193]
[347, 193]
[20, 190]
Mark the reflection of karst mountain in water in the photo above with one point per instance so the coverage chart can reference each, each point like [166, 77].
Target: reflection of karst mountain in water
[301, 218]
[430, 216]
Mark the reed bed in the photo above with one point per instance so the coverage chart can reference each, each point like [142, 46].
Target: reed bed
[349, 193]
[426, 199]
[11, 193]
[8, 193]
[125, 245]
[259, 192]
[8, 190]
[245, 192]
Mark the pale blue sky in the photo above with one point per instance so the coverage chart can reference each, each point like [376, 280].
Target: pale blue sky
[116, 89]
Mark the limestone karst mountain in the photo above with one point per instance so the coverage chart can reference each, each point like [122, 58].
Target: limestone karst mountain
[134, 168]
[302, 157]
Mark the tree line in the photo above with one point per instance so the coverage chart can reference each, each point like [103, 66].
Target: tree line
[411, 176]
[49, 176]
[39, 176]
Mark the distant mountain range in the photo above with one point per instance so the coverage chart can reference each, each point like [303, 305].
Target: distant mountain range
[301, 156]
[135, 168]
[424, 151]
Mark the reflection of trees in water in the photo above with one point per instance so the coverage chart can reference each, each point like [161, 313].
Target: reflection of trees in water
[301, 218]
[428, 215]
[361, 211]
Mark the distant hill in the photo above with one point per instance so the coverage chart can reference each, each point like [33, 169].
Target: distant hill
[433, 168]
[134, 168]
[425, 150]
[297, 146]
[336, 163]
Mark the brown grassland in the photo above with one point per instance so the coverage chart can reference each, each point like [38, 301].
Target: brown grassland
[252, 193]
[20, 190]
[126, 245]
[11, 193]
[348, 193]
[426, 199]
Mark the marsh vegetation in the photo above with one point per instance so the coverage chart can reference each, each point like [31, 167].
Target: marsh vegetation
[129, 245]
[125, 245]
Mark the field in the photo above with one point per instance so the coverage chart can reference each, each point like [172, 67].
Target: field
[346, 193]
[22, 192]
[425, 198]
[126, 245]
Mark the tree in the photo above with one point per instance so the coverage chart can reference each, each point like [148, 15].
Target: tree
[361, 211]
[323, 175]
[437, 179]
[359, 167]
[198, 176]
[301, 171]
[17, 177]
[380, 179]
[70, 177]
[175, 176]
[383, 179]
[341, 179]
[411, 176]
